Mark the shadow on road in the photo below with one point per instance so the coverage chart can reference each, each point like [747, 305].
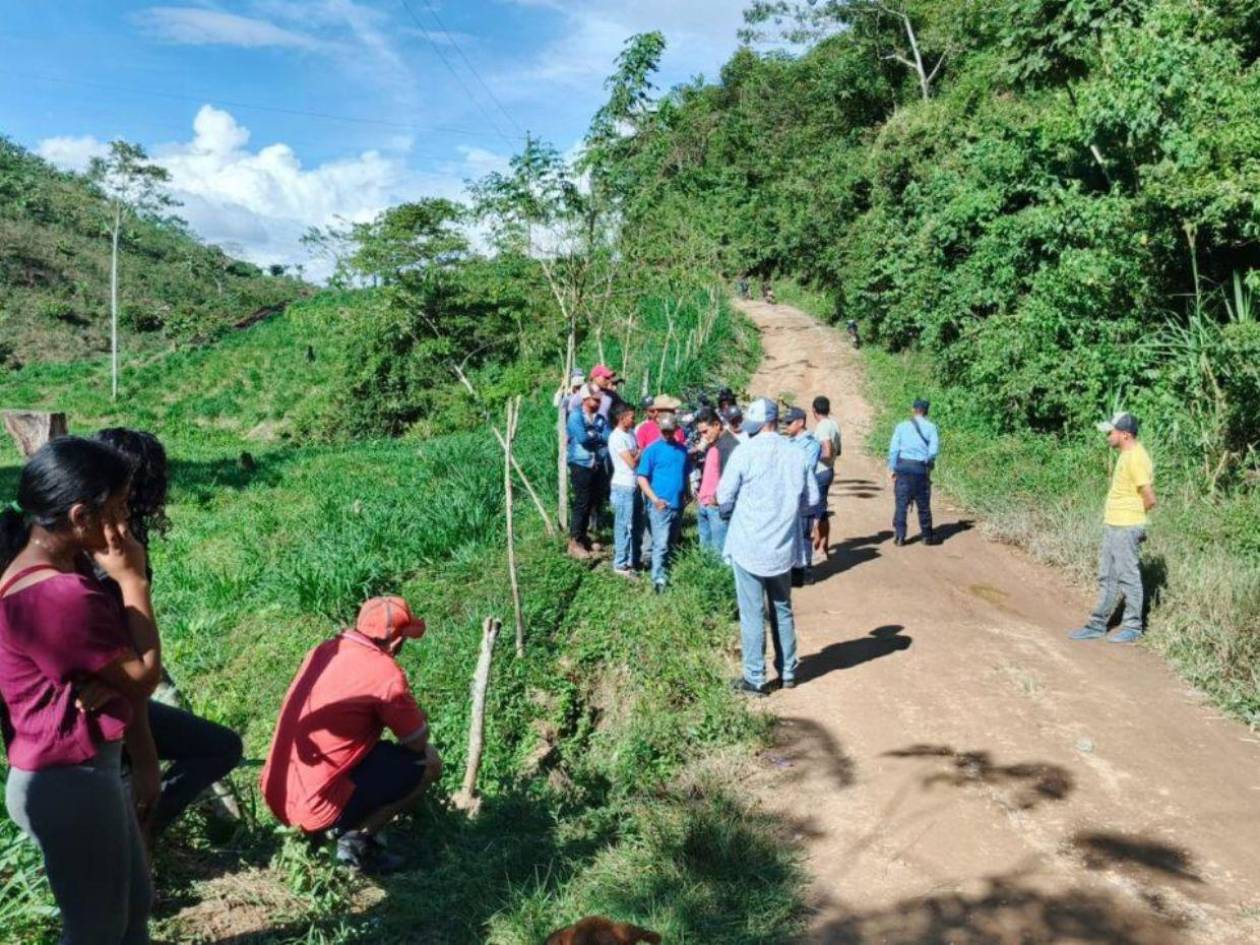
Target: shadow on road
[849, 653]
[1102, 850]
[1031, 782]
[850, 553]
[1009, 910]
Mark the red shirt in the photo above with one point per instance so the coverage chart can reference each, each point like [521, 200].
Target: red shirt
[649, 431]
[346, 693]
[54, 635]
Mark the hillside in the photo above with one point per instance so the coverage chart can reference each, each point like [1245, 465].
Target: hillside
[54, 272]
[611, 746]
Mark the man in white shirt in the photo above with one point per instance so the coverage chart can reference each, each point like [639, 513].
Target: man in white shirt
[827, 433]
[627, 504]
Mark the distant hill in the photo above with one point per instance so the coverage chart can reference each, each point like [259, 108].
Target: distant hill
[54, 272]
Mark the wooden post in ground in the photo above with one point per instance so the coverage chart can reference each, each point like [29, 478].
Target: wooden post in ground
[513, 415]
[466, 797]
[31, 429]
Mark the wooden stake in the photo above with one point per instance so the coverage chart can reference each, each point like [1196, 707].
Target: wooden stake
[31, 429]
[466, 797]
[513, 415]
[529, 487]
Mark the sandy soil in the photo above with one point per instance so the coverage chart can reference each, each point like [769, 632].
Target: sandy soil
[957, 770]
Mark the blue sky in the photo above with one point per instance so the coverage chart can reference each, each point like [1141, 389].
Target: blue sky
[273, 115]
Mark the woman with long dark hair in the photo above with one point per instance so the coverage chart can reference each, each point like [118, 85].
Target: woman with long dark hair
[197, 752]
[77, 666]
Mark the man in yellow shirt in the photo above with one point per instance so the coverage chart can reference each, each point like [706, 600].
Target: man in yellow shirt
[1131, 496]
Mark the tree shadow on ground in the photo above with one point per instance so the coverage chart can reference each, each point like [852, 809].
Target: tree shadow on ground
[459, 872]
[800, 741]
[201, 480]
[1030, 783]
[1009, 910]
[850, 553]
[850, 653]
[708, 869]
[1102, 850]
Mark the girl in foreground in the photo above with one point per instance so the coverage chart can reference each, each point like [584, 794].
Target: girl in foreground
[77, 666]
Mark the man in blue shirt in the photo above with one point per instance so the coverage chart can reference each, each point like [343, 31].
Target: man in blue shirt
[911, 456]
[763, 488]
[663, 470]
[587, 453]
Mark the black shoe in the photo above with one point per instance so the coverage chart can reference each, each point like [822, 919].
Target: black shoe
[931, 540]
[899, 542]
[361, 852]
[659, 588]
[744, 687]
[798, 577]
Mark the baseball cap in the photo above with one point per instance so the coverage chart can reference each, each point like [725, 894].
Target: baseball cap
[732, 413]
[665, 402]
[921, 404]
[760, 412]
[603, 371]
[1122, 421]
[387, 618]
[577, 377]
[647, 402]
[793, 414]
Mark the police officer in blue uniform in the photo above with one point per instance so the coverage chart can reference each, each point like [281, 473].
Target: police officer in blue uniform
[911, 456]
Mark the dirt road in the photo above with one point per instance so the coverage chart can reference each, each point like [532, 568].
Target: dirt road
[958, 771]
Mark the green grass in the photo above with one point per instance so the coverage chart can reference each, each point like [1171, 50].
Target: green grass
[1045, 493]
[614, 753]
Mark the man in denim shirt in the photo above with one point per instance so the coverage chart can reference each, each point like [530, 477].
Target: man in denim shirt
[764, 486]
[587, 456]
[911, 455]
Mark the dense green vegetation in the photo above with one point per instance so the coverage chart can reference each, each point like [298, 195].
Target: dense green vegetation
[54, 272]
[1043, 210]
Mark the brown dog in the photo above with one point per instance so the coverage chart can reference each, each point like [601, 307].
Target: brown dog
[596, 930]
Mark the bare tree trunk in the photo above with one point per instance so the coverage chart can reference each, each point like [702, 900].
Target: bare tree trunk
[513, 414]
[599, 343]
[113, 304]
[669, 334]
[31, 429]
[466, 797]
[562, 433]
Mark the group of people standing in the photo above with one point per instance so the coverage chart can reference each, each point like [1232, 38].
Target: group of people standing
[646, 471]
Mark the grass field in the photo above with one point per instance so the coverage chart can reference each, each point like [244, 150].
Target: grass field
[1045, 493]
[615, 751]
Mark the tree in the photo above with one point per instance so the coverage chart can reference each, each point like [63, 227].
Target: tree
[134, 188]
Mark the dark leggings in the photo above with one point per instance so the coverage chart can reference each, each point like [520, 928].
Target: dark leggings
[585, 481]
[199, 753]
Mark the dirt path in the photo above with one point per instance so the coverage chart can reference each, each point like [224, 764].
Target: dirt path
[961, 773]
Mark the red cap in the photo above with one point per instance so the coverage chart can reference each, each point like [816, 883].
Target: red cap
[602, 370]
[387, 618]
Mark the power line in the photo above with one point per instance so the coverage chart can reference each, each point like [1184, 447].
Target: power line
[277, 109]
[471, 68]
[458, 78]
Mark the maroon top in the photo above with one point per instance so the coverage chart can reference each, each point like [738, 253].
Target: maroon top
[53, 635]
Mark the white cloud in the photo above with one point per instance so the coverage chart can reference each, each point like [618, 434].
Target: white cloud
[700, 35]
[260, 202]
[195, 26]
[72, 153]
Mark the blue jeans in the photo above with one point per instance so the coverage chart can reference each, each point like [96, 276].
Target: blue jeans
[752, 592]
[666, 525]
[825, 478]
[627, 506]
[711, 527]
[917, 487]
